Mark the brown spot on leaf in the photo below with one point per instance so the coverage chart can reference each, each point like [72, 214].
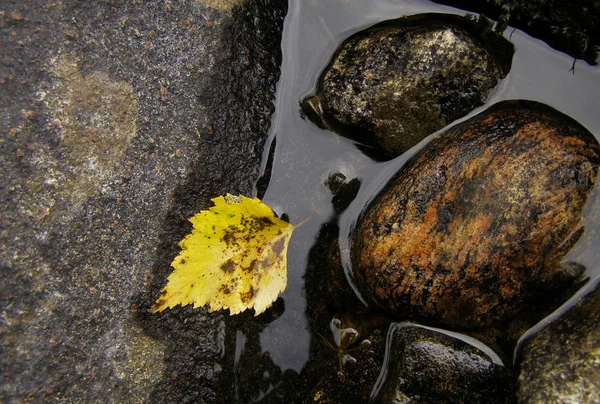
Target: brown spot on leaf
[261, 222]
[231, 236]
[228, 267]
[247, 296]
[250, 267]
[278, 246]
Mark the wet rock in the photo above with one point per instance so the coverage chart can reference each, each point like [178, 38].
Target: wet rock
[571, 27]
[399, 81]
[560, 364]
[335, 181]
[117, 121]
[344, 197]
[474, 227]
[426, 365]
[343, 191]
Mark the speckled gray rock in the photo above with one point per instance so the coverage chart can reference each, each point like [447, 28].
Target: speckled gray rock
[425, 365]
[118, 120]
[561, 364]
[397, 82]
[473, 228]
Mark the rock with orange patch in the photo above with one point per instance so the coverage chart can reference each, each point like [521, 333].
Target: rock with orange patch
[476, 224]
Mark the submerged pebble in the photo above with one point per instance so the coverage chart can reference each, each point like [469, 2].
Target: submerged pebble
[425, 365]
[474, 227]
[397, 82]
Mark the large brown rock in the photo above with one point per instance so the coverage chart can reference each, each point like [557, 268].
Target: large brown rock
[399, 81]
[475, 225]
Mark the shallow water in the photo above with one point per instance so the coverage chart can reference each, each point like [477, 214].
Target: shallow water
[306, 155]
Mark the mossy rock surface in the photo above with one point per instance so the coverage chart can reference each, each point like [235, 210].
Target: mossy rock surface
[474, 227]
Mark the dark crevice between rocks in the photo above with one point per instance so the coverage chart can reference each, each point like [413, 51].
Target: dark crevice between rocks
[239, 102]
[329, 297]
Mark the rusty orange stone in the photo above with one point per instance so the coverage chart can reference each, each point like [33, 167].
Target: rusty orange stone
[475, 225]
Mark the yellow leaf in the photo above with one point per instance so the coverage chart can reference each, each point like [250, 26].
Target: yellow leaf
[235, 258]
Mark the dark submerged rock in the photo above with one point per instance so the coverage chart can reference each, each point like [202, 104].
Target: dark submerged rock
[428, 366]
[326, 379]
[343, 191]
[474, 227]
[560, 363]
[397, 82]
[572, 27]
[329, 296]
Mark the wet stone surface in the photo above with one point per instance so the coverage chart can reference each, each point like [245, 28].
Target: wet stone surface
[560, 364]
[426, 366]
[399, 81]
[473, 228]
[118, 121]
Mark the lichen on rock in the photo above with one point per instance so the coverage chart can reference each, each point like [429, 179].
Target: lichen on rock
[138, 359]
